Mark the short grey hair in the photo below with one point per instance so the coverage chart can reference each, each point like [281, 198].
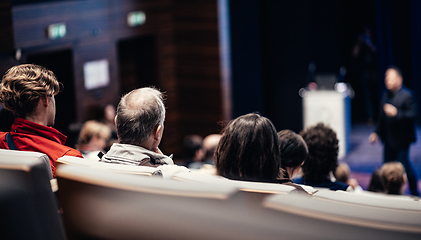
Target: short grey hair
[138, 114]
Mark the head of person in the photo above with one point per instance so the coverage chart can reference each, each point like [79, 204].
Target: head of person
[248, 150]
[323, 147]
[140, 118]
[393, 177]
[342, 172]
[193, 147]
[28, 91]
[393, 79]
[95, 134]
[210, 143]
[376, 183]
[293, 151]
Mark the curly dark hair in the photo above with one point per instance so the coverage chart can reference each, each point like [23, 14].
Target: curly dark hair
[248, 150]
[323, 147]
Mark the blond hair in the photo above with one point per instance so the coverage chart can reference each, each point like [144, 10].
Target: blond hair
[23, 85]
[93, 128]
[393, 177]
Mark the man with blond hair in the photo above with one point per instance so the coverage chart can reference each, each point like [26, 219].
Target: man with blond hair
[28, 92]
[140, 125]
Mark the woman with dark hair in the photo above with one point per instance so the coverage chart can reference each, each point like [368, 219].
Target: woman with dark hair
[322, 158]
[293, 152]
[376, 184]
[249, 151]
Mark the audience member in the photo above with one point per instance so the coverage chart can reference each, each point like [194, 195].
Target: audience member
[322, 158]
[106, 115]
[93, 139]
[209, 145]
[193, 151]
[393, 177]
[248, 150]
[376, 184]
[140, 125]
[28, 91]
[293, 152]
[342, 174]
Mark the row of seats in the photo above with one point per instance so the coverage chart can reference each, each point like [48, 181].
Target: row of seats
[108, 201]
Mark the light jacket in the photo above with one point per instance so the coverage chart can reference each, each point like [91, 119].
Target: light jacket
[135, 155]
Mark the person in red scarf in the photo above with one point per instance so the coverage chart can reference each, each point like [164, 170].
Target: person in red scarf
[28, 91]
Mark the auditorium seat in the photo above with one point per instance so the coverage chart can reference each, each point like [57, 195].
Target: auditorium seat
[357, 221]
[127, 169]
[5, 153]
[28, 208]
[101, 204]
[398, 202]
[247, 186]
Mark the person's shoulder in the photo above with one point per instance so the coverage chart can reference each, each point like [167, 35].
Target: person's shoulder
[406, 91]
[337, 186]
[298, 180]
[72, 152]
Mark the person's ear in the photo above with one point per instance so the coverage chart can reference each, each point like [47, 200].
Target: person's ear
[44, 100]
[157, 134]
[115, 121]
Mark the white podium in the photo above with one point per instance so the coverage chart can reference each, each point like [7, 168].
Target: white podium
[331, 108]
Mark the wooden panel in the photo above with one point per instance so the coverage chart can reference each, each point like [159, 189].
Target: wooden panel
[185, 59]
[197, 71]
[85, 19]
[90, 99]
[156, 12]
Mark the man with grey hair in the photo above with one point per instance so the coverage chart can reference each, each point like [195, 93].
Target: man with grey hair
[140, 125]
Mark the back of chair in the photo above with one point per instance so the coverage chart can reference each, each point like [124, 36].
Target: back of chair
[99, 203]
[258, 187]
[372, 199]
[5, 153]
[28, 208]
[127, 169]
[383, 223]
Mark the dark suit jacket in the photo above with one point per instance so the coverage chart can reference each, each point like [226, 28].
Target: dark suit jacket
[398, 131]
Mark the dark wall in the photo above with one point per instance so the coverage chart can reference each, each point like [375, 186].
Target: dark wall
[176, 49]
[273, 43]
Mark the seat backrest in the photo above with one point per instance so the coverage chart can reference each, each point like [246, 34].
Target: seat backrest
[388, 223]
[127, 169]
[5, 153]
[100, 203]
[257, 187]
[372, 199]
[28, 208]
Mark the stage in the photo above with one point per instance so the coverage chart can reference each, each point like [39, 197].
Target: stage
[363, 157]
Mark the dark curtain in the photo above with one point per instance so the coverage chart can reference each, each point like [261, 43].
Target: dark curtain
[398, 27]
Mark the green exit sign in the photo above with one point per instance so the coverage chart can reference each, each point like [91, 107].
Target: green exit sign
[136, 18]
[56, 31]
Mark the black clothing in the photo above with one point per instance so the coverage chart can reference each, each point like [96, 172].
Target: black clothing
[398, 132]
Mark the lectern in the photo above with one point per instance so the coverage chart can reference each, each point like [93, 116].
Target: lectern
[331, 108]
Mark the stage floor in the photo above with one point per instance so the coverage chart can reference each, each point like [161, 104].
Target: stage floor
[363, 157]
